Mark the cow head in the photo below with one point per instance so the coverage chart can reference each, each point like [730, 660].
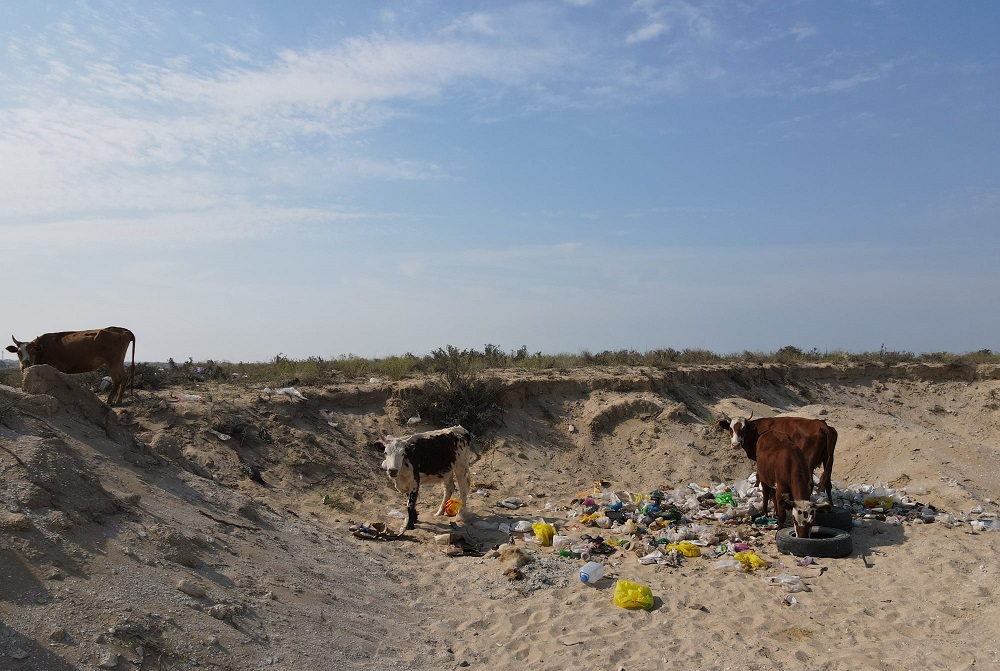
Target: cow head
[396, 463]
[738, 434]
[803, 514]
[27, 352]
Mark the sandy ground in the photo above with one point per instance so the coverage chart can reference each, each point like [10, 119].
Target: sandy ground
[210, 527]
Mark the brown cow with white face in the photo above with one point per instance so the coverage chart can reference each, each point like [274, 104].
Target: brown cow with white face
[74, 352]
[785, 478]
[813, 437]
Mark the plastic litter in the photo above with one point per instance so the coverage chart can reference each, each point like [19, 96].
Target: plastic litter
[685, 548]
[543, 532]
[751, 560]
[452, 506]
[630, 594]
[591, 572]
[724, 499]
[791, 583]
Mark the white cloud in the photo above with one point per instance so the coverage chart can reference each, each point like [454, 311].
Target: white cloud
[646, 33]
[802, 31]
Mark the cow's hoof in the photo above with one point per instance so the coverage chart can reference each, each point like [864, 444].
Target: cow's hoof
[837, 518]
[822, 542]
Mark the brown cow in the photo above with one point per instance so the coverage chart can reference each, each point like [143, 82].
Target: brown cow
[784, 476]
[814, 437]
[74, 352]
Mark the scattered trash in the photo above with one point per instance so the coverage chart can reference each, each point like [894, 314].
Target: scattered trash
[291, 392]
[327, 418]
[630, 594]
[728, 564]
[188, 397]
[372, 531]
[543, 532]
[791, 583]
[219, 434]
[685, 548]
[413, 420]
[751, 560]
[591, 572]
[789, 600]
[452, 506]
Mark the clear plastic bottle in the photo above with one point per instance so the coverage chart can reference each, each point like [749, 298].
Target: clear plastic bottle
[591, 572]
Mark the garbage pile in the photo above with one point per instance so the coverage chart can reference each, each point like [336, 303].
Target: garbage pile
[720, 522]
[658, 528]
[899, 506]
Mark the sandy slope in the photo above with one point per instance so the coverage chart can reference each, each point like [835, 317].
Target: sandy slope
[105, 513]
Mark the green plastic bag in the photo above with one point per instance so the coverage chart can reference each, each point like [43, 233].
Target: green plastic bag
[630, 594]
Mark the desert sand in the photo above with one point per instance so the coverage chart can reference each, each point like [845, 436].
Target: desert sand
[210, 527]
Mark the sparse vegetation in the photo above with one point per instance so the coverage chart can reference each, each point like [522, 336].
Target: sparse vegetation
[451, 361]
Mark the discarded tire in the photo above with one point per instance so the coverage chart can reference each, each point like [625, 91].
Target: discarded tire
[824, 542]
[837, 518]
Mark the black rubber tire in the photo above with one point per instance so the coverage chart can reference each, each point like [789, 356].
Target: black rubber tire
[824, 542]
[837, 518]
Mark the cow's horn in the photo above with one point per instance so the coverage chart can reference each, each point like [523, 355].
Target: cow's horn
[751, 416]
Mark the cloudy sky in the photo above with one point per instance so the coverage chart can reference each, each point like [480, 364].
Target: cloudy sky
[237, 179]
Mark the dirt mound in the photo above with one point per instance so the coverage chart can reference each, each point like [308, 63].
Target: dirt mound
[208, 525]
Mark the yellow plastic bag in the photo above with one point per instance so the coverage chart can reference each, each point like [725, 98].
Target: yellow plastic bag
[543, 532]
[630, 594]
[751, 560]
[686, 548]
[589, 520]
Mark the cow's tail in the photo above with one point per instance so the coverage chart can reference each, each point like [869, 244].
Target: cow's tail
[131, 373]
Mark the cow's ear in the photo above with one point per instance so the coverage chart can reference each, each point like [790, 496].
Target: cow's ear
[723, 425]
[786, 502]
[11, 349]
[823, 506]
[378, 445]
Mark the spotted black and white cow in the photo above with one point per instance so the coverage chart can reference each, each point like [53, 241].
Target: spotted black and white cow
[428, 458]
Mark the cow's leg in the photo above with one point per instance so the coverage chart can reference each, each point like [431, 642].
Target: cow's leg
[411, 510]
[768, 493]
[779, 508]
[825, 481]
[462, 479]
[117, 374]
[449, 488]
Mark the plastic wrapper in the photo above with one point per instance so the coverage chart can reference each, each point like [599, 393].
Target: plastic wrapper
[630, 594]
[751, 560]
[543, 532]
[452, 506]
[685, 548]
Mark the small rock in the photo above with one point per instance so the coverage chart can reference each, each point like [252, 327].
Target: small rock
[57, 635]
[109, 660]
[18, 653]
[190, 588]
[14, 522]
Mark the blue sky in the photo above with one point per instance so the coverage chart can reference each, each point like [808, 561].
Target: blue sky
[233, 180]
